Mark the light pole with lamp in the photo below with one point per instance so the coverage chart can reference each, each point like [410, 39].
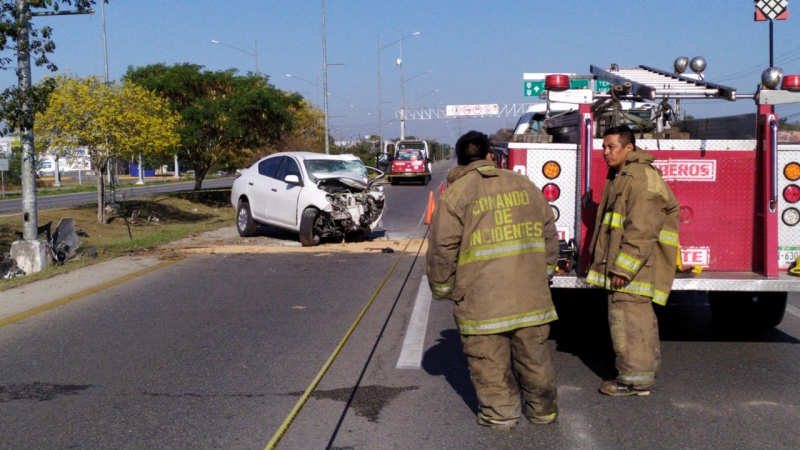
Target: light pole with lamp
[403, 94]
[325, 65]
[380, 103]
[425, 95]
[214, 41]
[316, 86]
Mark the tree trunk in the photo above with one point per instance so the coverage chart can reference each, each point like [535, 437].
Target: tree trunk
[199, 175]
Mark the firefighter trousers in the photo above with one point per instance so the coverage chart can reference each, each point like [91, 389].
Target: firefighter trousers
[634, 335]
[490, 357]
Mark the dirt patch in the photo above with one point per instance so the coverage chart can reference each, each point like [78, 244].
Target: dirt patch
[227, 241]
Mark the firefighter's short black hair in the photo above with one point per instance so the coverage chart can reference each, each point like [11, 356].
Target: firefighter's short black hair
[471, 147]
[625, 134]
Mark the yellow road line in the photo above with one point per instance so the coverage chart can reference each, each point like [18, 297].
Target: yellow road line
[276, 438]
[70, 298]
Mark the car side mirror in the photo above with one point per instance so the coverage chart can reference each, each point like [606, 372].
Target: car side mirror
[292, 179]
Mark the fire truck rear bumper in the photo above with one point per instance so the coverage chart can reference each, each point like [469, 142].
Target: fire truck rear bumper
[706, 281]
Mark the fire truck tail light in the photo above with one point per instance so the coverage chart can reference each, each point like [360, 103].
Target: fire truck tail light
[792, 193]
[792, 171]
[791, 216]
[551, 192]
[556, 212]
[791, 83]
[551, 170]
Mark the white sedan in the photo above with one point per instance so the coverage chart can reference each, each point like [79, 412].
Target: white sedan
[314, 194]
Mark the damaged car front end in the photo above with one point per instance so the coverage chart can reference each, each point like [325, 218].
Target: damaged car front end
[355, 204]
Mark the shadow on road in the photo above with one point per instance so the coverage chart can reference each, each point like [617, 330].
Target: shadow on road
[446, 359]
[582, 328]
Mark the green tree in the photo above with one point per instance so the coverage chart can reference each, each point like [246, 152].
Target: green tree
[308, 130]
[226, 119]
[40, 44]
[109, 120]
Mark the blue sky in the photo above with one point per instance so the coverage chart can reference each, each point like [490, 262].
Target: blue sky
[477, 50]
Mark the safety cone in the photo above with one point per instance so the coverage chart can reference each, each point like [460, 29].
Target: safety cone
[441, 189]
[431, 207]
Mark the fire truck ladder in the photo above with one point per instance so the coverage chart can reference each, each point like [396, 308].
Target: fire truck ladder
[651, 84]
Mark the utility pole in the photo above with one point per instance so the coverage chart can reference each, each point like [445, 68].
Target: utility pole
[30, 253]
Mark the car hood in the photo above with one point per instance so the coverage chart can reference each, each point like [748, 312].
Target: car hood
[349, 179]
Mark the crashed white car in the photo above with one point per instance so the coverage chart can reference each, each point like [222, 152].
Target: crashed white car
[314, 194]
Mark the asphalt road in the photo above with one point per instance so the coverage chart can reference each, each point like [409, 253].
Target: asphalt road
[65, 200]
[214, 351]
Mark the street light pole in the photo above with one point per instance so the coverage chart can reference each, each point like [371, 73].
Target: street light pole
[214, 41]
[325, 79]
[316, 86]
[29, 253]
[325, 65]
[380, 103]
[403, 93]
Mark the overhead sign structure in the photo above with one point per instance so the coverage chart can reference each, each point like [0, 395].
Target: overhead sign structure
[771, 10]
[472, 110]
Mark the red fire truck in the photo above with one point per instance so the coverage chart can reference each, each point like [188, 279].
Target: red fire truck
[739, 188]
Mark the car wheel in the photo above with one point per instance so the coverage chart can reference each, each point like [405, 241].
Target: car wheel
[244, 220]
[309, 222]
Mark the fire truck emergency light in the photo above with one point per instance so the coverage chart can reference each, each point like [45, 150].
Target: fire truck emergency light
[791, 83]
[556, 82]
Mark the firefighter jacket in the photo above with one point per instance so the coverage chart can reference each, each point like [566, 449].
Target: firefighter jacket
[636, 230]
[492, 249]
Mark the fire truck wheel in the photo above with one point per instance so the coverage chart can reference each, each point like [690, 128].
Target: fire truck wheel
[759, 310]
[393, 181]
[425, 181]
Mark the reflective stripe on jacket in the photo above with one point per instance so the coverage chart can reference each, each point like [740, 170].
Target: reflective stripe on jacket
[492, 248]
[636, 233]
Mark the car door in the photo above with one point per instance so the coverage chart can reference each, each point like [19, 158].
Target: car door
[260, 187]
[283, 195]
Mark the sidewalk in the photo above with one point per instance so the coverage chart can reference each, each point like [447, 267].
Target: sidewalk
[40, 293]
[65, 287]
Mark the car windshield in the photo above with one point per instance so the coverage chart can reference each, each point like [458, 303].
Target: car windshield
[319, 166]
[409, 155]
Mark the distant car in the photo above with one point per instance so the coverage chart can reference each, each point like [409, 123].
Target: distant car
[314, 194]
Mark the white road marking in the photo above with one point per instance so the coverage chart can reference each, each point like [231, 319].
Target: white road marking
[414, 342]
[793, 310]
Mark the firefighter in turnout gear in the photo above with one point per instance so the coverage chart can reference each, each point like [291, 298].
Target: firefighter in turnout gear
[634, 250]
[493, 247]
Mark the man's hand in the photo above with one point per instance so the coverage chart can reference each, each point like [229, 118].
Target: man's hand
[618, 281]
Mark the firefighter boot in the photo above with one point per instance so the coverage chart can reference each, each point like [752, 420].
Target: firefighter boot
[497, 424]
[616, 389]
